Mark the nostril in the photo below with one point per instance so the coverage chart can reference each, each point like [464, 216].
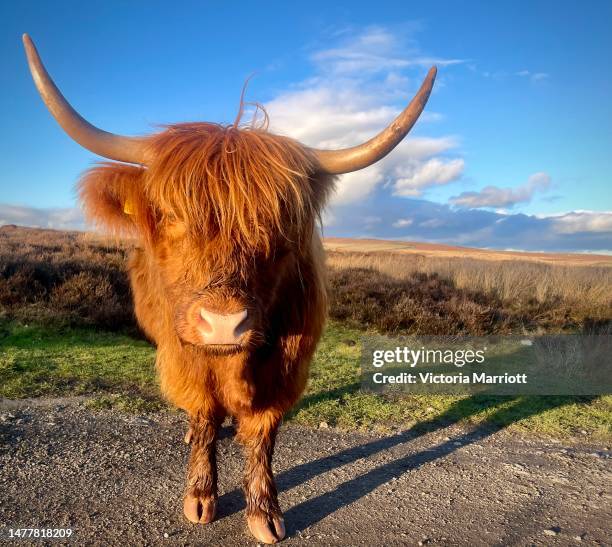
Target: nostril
[243, 324]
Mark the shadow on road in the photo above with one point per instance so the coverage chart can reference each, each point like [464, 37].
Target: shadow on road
[311, 511]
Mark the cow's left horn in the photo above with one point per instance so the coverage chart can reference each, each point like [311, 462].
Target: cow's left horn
[346, 160]
[115, 147]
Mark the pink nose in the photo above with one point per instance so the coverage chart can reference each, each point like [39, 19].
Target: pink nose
[219, 329]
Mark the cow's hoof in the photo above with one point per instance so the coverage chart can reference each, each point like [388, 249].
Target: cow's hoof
[199, 510]
[267, 531]
[188, 436]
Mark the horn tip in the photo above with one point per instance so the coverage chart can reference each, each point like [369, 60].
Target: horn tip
[30, 51]
[29, 46]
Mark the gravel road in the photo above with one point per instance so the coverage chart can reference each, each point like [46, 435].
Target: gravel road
[117, 479]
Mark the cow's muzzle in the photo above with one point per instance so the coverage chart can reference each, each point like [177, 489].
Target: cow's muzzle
[217, 329]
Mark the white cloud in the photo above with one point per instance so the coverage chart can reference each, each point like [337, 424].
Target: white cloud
[70, 218]
[533, 76]
[432, 223]
[359, 86]
[328, 218]
[493, 196]
[424, 147]
[376, 49]
[411, 182]
[358, 185]
[581, 221]
[371, 221]
[402, 222]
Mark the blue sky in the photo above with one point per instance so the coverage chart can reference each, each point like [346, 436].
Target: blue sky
[514, 150]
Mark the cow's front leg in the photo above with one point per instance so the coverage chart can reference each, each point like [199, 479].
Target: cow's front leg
[200, 502]
[257, 433]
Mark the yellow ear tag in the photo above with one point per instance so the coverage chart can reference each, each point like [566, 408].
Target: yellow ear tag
[127, 208]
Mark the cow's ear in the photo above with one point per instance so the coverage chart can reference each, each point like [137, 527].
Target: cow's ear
[112, 196]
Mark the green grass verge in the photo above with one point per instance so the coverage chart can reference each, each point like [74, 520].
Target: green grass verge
[37, 361]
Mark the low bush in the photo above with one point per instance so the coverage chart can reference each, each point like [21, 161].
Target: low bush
[80, 279]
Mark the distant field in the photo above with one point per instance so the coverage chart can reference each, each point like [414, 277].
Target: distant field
[67, 327]
[449, 251]
[80, 278]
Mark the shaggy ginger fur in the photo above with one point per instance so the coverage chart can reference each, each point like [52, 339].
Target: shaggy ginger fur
[227, 219]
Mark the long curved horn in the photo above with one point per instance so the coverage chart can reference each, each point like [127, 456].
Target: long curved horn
[115, 147]
[346, 160]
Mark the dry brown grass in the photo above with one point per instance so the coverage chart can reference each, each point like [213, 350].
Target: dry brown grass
[80, 279]
[475, 296]
[67, 277]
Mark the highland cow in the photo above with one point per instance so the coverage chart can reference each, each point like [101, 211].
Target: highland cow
[228, 280]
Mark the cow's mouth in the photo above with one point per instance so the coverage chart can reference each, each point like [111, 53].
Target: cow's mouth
[223, 349]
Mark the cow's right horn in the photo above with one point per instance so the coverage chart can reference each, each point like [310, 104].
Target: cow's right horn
[114, 147]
